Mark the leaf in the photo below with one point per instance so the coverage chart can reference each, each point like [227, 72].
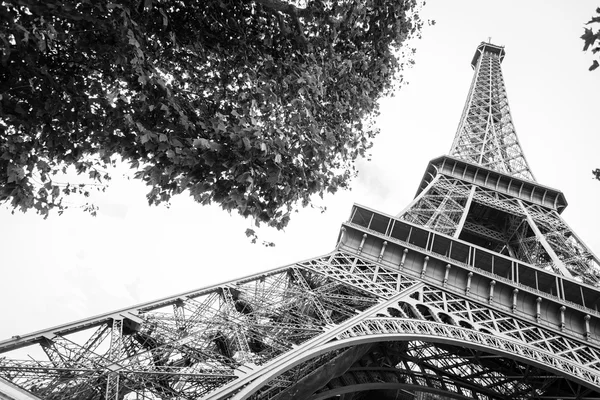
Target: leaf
[594, 65]
[164, 17]
[215, 146]
[247, 145]
[209, 158]
[201, 142]
[589, 37]
[15, 173]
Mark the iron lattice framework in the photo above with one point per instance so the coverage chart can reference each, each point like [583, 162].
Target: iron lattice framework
[486, 134]
[477, 290]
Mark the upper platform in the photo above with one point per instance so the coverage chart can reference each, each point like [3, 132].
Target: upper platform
[487, 47]
[491, 179]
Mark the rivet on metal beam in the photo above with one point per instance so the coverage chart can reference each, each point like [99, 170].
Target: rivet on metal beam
[448, 266]
[424, 266]
[362, 243]
[382, 251]
[491, 298]
[468, 288]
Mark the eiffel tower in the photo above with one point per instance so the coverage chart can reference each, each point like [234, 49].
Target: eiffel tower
[477, 290]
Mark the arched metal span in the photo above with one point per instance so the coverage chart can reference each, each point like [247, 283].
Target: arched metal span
[379, 330]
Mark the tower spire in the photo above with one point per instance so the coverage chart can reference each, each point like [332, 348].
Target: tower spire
[486, 134]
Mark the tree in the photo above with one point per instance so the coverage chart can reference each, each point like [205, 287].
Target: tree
[590, 37]
[255, 105]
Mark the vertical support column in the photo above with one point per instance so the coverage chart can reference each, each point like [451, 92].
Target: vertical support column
[514, 302]
[586, 320]
[116, 345]
[491, 297]
[562, 318]
[404, 253]
[424, 266]
[362, 244]
[385, 243]
[538, 309]
[468, 288]
[445, 283]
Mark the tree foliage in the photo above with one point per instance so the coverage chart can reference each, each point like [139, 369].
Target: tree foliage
[255, 105]
[590, 37]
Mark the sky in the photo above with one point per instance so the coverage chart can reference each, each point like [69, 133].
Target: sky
[75, 266]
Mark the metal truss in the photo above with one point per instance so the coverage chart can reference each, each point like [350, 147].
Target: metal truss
[442, 306]
[427, 339]
[507, 224]
[188, 345]
[404, 308]
[319, 328]
[441, 205]
[566, 248]
[486, 134]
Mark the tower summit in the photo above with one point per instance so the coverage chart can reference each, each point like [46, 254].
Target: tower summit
[478, 289]
[486, 134]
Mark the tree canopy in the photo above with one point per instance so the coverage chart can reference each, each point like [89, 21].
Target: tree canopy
[590, 37]
[254, 105]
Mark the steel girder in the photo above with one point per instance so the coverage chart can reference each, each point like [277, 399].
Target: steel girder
[363, 321]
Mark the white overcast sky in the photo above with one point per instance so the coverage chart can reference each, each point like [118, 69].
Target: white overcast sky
[66, 268]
